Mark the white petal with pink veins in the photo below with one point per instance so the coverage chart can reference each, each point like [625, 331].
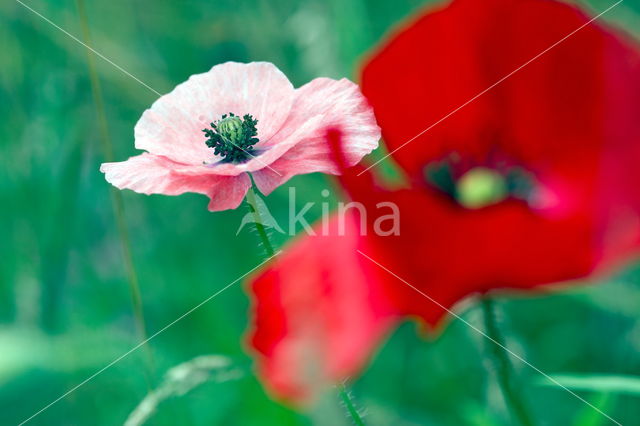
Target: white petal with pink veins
[151, 174]
[172, 127]
[334, 105]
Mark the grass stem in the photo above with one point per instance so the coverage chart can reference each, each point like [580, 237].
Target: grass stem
[502, 365]
[116, 196]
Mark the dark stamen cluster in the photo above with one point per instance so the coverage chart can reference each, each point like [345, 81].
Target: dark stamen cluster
[233, 137]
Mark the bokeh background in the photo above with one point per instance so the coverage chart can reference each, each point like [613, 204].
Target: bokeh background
[65, 296]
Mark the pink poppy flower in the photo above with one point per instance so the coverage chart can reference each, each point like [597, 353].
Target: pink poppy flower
[211, 131]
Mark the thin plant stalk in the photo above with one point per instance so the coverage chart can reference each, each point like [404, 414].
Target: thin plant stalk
[502, 364]
[116, 197]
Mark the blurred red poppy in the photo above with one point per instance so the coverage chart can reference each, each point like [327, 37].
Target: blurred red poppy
[531, 183]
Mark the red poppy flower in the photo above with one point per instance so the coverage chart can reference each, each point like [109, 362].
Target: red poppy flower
[530, 183]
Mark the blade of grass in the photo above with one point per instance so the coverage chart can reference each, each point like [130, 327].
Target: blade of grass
[608, 383]
[503, 367]
[116, 197]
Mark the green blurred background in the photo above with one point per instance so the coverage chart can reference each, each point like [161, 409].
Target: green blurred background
[65, 304]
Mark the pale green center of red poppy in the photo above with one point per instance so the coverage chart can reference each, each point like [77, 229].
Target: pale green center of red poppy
[233, 138]
[480, 187]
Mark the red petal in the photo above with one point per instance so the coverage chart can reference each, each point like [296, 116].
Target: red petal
[448, 252]
[567, 116]
[319, 313]
[551, 112]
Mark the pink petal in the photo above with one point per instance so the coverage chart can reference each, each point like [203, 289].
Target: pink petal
[172, 127]
[151, 174]
[334, 104]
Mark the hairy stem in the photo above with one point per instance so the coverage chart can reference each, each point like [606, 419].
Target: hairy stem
[116, 197]
[257, 220]
[350, 406]
[502, 365]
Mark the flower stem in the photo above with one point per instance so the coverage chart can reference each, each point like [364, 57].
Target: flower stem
[502, 365]
[257, 220]
[116, 197]
[348, 403]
